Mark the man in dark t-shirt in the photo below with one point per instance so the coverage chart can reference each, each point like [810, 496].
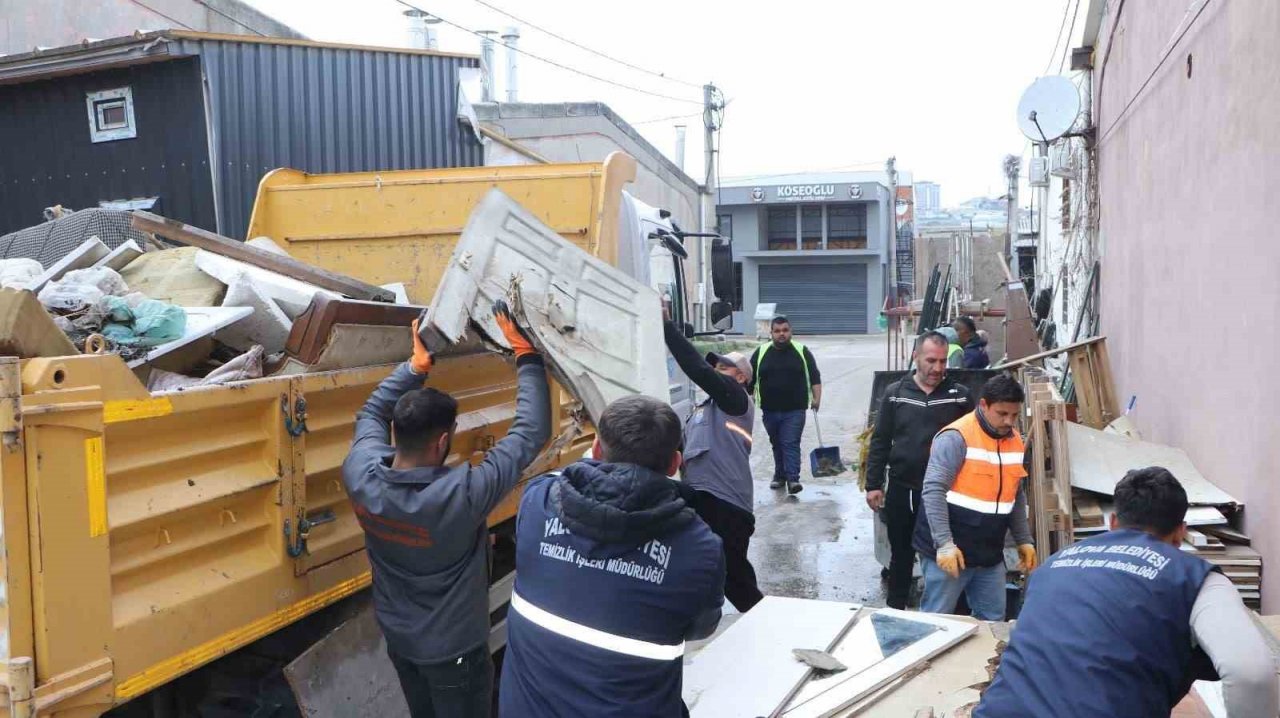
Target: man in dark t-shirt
[787, 384]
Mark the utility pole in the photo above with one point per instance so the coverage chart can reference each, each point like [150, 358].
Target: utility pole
[1012, 166]
[891, 173]
[712, 121]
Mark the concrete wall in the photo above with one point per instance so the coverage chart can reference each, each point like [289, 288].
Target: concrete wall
[588, 132]
[1189, 257]
[26, 24]
[938, 247]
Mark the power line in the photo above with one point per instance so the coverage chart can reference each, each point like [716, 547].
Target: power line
[1066, 45]
[1053, 54]
[665, 119]
[553, 63]
[1173, 44]
[580, 46]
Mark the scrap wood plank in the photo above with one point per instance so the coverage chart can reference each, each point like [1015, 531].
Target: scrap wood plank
[1088, 509]
[1048, 353]
[1100, 459]
[288, 266]
[749, 669]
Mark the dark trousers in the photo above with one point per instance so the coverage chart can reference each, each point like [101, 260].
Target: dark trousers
[901, 505]
[734, 527]
[784, 429]
[461, 688]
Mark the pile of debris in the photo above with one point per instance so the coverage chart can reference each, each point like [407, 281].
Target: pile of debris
[185, 307]
[1083, 445]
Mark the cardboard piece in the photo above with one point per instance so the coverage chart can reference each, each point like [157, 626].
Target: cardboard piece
[171, 276]
[82, 257]
[1100, 459]
[26, 329]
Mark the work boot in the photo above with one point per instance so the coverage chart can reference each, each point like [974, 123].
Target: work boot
[777, 483]
[794, 487]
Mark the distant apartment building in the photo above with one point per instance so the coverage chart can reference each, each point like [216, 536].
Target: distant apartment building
[928, 197]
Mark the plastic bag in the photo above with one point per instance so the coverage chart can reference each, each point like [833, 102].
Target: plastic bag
[69, 298]
[106, 279]
[149, 324]
[18, 273]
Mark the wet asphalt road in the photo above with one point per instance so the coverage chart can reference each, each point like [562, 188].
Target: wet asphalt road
[820, 543]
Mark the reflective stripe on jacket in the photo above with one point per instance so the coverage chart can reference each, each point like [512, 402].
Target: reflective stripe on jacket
[982, 496]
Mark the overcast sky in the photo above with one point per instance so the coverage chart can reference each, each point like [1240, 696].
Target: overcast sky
[813, 85]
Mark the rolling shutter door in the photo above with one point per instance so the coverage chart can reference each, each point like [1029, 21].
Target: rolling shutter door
[818, 298]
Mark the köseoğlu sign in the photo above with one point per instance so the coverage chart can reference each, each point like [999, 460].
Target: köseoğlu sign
[801, 192]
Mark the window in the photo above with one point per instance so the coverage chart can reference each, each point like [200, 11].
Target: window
[724, 225]
[737, 286]
[782, 228]
[847, 226]
[811, 226]
[111, 115]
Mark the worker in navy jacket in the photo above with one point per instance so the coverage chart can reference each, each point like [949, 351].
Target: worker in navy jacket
[614, 572]
[1120, 624]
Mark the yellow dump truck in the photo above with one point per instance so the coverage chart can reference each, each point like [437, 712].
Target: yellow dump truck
[147, 535]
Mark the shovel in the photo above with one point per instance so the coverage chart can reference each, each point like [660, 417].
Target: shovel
[824, 460]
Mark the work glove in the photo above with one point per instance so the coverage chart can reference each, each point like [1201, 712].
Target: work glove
[516, 337]
[420, 363]
[950, 560]
[1027, 553]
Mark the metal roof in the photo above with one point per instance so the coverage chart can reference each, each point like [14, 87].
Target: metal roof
[90, 56]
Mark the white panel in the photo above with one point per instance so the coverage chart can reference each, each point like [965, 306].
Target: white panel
[600, 330]
[749, 670]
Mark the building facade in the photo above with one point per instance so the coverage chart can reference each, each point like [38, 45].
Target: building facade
[817, 245]
[186, 123]
[928, 197]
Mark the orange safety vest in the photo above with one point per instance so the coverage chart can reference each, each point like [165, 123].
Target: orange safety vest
[992, 471]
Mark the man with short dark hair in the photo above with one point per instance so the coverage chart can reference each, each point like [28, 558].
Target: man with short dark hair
[974, 344]
[613, 574]
[972, 496]
[786, 384]
[1121, 624]
[912, 411]
[425, 525]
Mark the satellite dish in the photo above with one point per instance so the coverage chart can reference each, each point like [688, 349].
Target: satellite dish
[1048, 109]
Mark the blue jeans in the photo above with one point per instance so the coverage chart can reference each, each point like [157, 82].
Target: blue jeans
[784, 429]
[984, 587]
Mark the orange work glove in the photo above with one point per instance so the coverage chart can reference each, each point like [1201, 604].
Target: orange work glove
[421, 360]
[950, 560]
[516, 337]
[1027, 553]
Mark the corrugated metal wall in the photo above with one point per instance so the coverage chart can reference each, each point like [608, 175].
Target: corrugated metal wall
[818, 298]
[47, 157]
[322, 109]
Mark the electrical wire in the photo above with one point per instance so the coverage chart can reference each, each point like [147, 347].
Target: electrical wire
[580, 46]
[553, 63]
[232, 19]
[1053, 54]
[166, 17]
[1173, 44]
[1066, 49]
[665, 119]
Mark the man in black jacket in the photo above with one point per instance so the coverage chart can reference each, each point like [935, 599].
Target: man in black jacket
[717, 458]
[912, 411]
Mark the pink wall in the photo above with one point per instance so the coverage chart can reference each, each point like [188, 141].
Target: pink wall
[1190, 234]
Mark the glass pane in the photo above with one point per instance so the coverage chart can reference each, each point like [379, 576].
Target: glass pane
[811, 227]
[111, 115]
[847, 226]
[782, 228]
